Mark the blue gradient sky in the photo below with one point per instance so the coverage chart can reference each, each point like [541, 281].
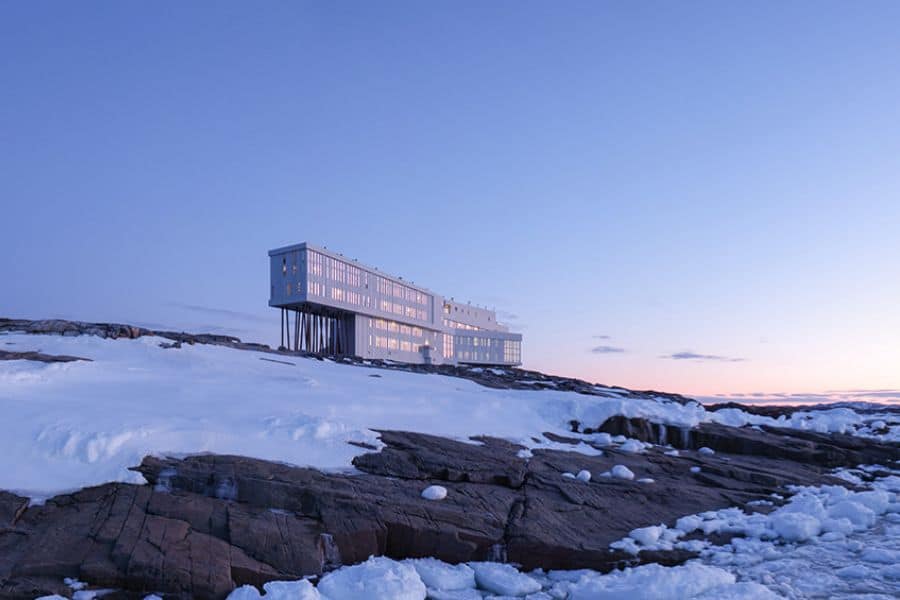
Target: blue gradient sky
[703, 180]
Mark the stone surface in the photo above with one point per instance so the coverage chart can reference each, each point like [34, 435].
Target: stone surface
[206, 524]
[38, 356]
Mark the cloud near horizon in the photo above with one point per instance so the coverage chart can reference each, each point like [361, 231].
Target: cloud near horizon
[705, 357]
[606, 350]
[881, 396]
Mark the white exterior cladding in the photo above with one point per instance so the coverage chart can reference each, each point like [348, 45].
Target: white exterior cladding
[387, 317]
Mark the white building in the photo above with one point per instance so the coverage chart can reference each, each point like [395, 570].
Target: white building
[334, 305]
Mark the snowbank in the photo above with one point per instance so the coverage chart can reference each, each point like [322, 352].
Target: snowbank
[70, 425]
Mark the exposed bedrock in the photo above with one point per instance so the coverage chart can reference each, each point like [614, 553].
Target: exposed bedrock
[808, 447]
[205, 524]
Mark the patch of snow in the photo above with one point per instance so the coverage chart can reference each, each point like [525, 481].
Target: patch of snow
[438, 575]
[584, 475]
[652, 582]
[378, 578]
[706, 451]
[633, 446]
[503, 579]
[621, 472]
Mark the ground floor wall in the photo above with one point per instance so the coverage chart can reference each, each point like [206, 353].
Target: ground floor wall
[310, 328]
[389, 340]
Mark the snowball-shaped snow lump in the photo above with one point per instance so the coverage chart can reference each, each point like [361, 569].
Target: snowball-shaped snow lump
[622, 472]
[706, 451]
[584, 475]
[434, 492]
[378, 578]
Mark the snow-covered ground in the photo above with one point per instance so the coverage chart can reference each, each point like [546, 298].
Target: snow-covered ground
[69, 425]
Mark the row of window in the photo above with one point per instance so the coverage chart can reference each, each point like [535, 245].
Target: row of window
[458, 325]
[392, 343]
[479, 341]
[448, 346]
[401, 299]
[398, 308]
[386, 287]
[512, 351]
[395, 327]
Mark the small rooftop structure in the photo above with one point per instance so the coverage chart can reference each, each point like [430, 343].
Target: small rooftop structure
[342, 307]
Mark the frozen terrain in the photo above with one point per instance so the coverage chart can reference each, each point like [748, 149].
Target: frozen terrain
[69, 425]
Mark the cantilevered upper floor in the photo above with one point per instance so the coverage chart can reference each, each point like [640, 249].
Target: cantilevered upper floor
[372, 314]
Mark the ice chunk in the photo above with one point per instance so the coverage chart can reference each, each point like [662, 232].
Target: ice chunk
[739, 591]
[584, 475]
[652, 582]
[876, 500]
[470, 594]
[880, 555]
[434, 492]
[795, 526]
[689, 523]
[706, 451]
[853, 572]
[378, 578]
[290, 590]
[503, 579]
[647, 536]
[438, 575]
[861, 516]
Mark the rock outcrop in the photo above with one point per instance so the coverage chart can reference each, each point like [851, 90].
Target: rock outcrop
[205, 524]
[39, 357]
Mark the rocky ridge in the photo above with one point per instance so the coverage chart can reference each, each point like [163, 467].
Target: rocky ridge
[203, 525]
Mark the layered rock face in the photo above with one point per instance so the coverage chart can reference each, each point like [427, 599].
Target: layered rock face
[206, 524]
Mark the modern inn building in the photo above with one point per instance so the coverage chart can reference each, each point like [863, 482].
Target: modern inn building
[334, 305]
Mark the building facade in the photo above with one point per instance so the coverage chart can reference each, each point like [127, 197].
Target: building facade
[334, 305]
